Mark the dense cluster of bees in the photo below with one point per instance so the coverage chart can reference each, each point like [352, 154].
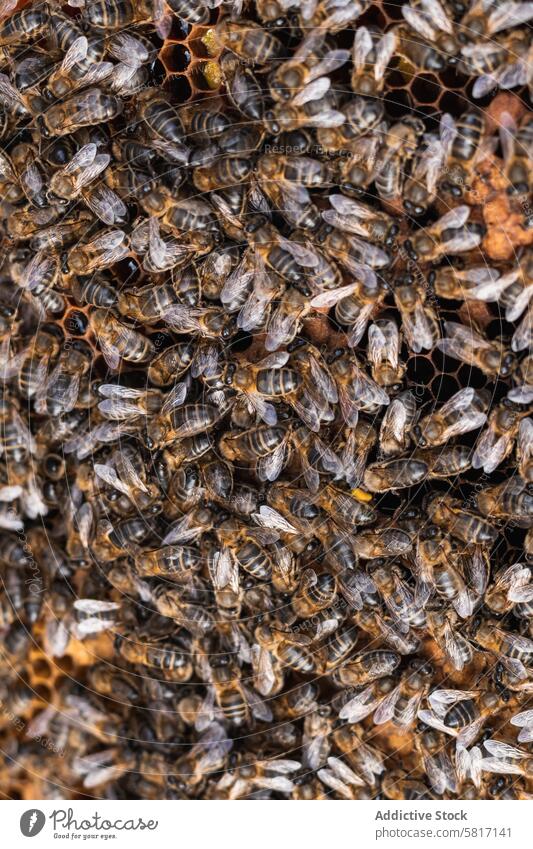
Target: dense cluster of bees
[266, 396]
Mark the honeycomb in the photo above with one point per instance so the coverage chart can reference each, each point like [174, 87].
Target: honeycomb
[38, 765]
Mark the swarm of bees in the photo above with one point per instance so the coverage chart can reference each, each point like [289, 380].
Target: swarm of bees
[266, 414]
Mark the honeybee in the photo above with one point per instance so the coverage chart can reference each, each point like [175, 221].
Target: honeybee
[368, 667]
[242, 87]
[497, 441]
[264, 445]
[23, 25]
[358, 170]
[356, 390]
[443, 628]
[465, 344]
[184, 421]
[394, 474]
[101, 252]
[382, 542]
[399, 145]
[447, 461]
[119, 341]
[80, 110]
[508, 759]
[362, 115]
[517, 145]
[74, 179]
[315, 593]
[451, 234]
[292, 650]
[249, 41]
[489, 18]
[466, 145]
[165, 656]
[399, 418]
[372, 52]
[319, 113]
[300, 78]
[510, 500]
[383, 353]
[59, 393]
[267, 378]
[236, 701]
[38, 358]
[465, 411]
[461, 523]
[419, 320]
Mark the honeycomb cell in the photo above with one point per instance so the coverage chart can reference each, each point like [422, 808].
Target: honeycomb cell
[175, 58]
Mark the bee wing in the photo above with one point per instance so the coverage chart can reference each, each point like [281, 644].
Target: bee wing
[118, 392]
[453, 649]
[260, 710]
[332, 296]
[384, 53]
[477, 570]
[360, 706]
[357, 329]
[385, 709]
[453, 219]
[503, 767]
[312, 91]
[94, 605]
[276, 360]
[106, 205]
[6, 169]
[326, 118]
[264, 409]
[175, 397]
[362, 46]
[56, 637]
[504, 750]
[513, 75]
[237, 282]
[370, 255]
[438, 15]
[315, 751]
[270, 518]
[525, 440]
[429, 718]
[265, 677]
[10, 95]
[269, 467]
[76, 52]
[523, 719]
[84, 521]
[130, 475]
[333, 60]
[519, 303]
[465, 241]
[509, 14]
[490, 451]
[440, 773]
[367, 390]
[418, 21]
[109, 475]
[226, 570]
[82, 159]
[304, 256]
[281, 328]
[523, 335]
[182, 318]
[128, 49]
[181, 531]
[347, 775]
[349, 409]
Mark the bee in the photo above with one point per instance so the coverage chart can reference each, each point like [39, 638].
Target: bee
[23, 25]
[438, 46]
[488, 19]
[89, 107]
[451, 234]
[254, 444]
[465, 344]
[165, 656]
[358, 170]
[510, 500]
[507, 759]
[362, 116]
[497, 441]
[74, 181]
[394, 474]
[319, 113]
[372, 52]
[517, 145]
[59, 393]
[420, 186]
[399, 146]
[242, 87]
[448, 461]
[96, 291]
[269, 378]
[292, 650]
[356, 390]
[466, 145]
[230, 693]
[39, 357]
[223, 172]
[465, 411]
[101, 252]
[344, 509]
[182, 422]
[399, 418]
[300, 78]
[382, 542]
[368, 667]
[248, 41]
[383, 353]
[119, 341]
[461, 523]
[443, 628]
[315, 593]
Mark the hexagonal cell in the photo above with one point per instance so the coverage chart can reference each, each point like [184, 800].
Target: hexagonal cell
[175, 57]
[179, 87]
